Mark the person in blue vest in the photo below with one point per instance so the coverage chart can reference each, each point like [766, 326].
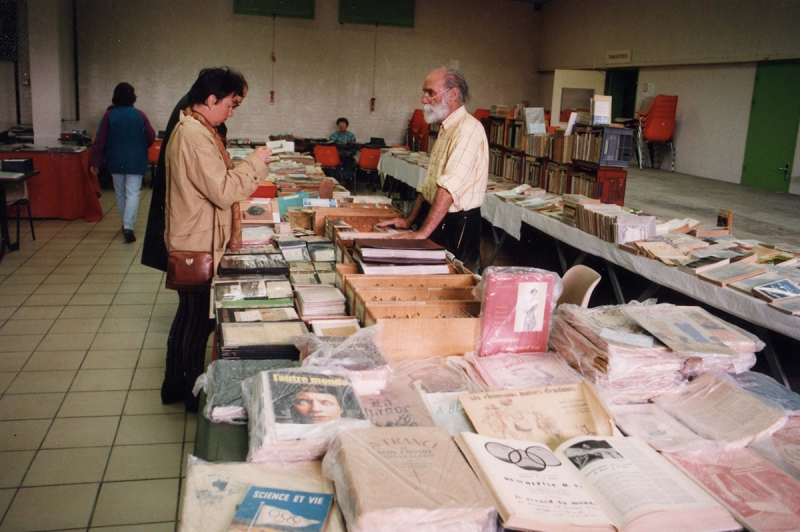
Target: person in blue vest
[122, 140]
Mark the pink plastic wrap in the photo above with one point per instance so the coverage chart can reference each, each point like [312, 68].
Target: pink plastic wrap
[516, 304]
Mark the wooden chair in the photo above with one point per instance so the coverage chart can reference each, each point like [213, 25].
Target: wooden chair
[17, 195]
[328, 158]
[656, 126]
[367, 163]
[578, 283]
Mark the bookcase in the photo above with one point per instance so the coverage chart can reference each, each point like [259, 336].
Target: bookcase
[601, 182]
[507, 142]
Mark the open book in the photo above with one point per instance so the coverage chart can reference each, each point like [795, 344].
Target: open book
[590, 483]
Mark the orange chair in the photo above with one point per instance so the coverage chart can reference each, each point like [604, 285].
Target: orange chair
[328, 158]
[482, 114]
[368, 163]
[657, 126]
[417, 131]
[152, 158]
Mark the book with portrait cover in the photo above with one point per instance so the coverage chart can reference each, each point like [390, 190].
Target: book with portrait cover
[515, 312]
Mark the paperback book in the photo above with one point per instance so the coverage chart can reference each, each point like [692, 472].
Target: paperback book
[266, 509]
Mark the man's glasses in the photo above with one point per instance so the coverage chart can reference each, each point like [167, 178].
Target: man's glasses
[426, 94]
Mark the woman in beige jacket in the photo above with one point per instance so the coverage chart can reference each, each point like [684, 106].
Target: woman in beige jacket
[202, 185]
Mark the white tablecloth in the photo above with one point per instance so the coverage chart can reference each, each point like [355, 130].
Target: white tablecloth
[509, 217]
[411, 174]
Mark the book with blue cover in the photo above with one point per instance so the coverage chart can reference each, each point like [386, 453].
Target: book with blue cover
[269, 509]
[765, 387]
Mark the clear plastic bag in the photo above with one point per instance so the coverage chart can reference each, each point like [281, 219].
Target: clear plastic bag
[222, 383]
[516, 304]
[399, 479]
[213, 491]
[293, 414]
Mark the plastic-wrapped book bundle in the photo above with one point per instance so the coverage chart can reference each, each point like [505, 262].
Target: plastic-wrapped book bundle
[516, 304]
[293, 414]
[397, 479]
[214, 491]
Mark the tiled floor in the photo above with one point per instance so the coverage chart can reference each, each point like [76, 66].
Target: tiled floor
[85, 443]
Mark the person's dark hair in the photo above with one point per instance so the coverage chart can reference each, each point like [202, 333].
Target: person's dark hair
[454, 79]
[123, 94]
[342, 119]
[220, 82]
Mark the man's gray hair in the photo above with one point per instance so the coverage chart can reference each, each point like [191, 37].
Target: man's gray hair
[454, 79]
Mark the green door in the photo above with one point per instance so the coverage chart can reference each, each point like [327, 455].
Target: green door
[772, 132]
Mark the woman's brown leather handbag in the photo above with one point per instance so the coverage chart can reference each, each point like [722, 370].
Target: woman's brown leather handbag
[189, 271]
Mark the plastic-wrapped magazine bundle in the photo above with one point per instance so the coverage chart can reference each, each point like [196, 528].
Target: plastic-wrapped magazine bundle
[397, 479]
[293, 414]
[508, 372]
[625, 362]
[516, 304]
[214, 492]
[222, 383]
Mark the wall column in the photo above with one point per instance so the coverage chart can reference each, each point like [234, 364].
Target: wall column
[43, 35]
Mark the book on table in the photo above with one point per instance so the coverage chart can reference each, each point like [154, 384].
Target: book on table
[265, 509]
[703, 264]
[787, 306]
[515, 312]
[407, 249]
[730, 273]
[590, 483]
[760, 495]
[777, 291]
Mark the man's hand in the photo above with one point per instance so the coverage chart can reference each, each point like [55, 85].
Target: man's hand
[415, 235]
[94, 170]
[399, 223]
[263, 153]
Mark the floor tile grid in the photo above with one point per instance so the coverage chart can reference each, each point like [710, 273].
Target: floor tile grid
[124, 450]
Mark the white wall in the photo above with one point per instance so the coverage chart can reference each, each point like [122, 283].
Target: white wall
[324, 69]
[712, 117]
[703, 51]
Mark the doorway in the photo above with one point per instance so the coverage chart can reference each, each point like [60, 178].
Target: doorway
[772, 130]
[621, 85]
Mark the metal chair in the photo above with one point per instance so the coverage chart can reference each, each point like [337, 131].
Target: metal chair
[656, 126]
[578, 283]
[17, 195]
[368, 162]
[328, 158]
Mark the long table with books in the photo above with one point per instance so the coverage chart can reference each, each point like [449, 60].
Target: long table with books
[402, 169]
[510, 218]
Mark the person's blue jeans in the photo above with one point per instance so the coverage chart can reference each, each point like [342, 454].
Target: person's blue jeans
[128, 188]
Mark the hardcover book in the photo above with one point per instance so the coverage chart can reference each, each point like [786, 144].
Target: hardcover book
[515, 313]
[591, 484]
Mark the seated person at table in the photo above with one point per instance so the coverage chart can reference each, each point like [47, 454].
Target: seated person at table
[347, 155]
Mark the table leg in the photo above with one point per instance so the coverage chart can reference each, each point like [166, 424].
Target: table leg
[775, 366]
[498, 243]
[649, 292]
[612, 274]
[6, 238]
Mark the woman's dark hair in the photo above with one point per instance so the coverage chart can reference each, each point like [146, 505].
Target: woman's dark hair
[123, 94]
[220, 82]
[342, 119]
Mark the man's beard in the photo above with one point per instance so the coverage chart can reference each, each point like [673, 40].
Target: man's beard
[435, 113]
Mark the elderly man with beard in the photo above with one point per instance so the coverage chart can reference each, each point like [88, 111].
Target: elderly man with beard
[447, 210]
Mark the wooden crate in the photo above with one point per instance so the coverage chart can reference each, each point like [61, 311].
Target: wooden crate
[343, 269]
[354, 282]
[411, 293]
[352, 211]
[415, 329]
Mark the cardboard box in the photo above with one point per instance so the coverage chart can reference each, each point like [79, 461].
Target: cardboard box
[412, 293]
[416, 329]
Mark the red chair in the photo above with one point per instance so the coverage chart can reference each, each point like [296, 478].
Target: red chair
[368, 162]
[328, 158]
[417, 131]
[657, 126]
[152, 159]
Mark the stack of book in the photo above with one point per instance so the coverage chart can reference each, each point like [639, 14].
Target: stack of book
[400, 256]
[253, 263]
[323, 301]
